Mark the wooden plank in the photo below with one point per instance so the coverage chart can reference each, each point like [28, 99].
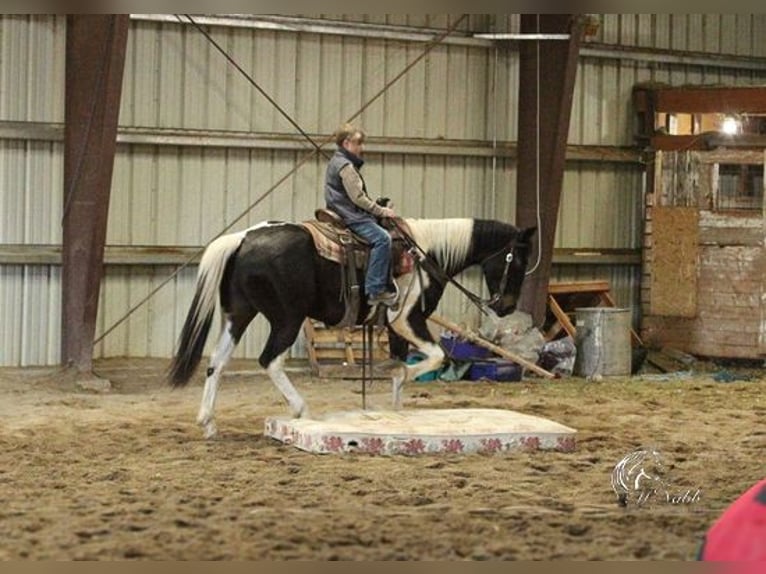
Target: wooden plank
[665, 363]
[728, 220]
[691, 336]
[25, 254]
[578, 287]
[727, 300]
[710, 100]
[728, 351]
[762, 267]
[579, 256]
[667, 142]
[734, 236]
[330, 354]
[561, 317]
[706, 180]
[200, 138]
[553, 330]
[341, 355]
[712, 328]
[720, 323]
[734, 156]
[692, 330]
[474, 338]
[328, 336]
[18, 254]
[333, 346]
[349, 354]
[674, 262]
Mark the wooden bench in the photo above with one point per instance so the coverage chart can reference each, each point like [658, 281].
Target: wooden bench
[564, 298]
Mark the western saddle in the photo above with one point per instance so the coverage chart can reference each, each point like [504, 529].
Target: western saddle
[336, 242]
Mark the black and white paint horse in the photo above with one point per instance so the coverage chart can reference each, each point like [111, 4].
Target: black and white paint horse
[273, 268]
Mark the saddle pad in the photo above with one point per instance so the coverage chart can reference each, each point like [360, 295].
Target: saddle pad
[327, 242]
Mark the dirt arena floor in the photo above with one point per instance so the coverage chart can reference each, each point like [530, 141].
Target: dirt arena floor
[126, 474]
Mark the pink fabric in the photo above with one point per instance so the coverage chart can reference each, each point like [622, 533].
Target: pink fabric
[740, 532]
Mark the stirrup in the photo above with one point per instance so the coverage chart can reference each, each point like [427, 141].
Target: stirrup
[376, 316]
[390, 299]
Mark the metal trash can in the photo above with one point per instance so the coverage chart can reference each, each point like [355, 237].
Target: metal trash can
[602, 341]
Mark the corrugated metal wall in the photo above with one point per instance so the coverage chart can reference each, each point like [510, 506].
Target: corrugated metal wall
[184, 194]
[738, 34]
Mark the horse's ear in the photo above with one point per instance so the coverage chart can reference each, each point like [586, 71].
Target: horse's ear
[526, 234]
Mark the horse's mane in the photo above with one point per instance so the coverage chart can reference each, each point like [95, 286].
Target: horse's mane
[448, 240]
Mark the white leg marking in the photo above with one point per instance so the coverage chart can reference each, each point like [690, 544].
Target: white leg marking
[278, 376]
[432, 351]
[223, 351]
[434, 358]
[397, 382]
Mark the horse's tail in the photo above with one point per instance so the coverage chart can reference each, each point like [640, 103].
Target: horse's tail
[200, 315]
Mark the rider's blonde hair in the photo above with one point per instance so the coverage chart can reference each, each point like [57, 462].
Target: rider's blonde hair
[347, 131]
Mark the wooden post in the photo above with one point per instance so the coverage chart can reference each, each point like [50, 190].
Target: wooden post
[474, 338]
[95, 58]
[546, 87]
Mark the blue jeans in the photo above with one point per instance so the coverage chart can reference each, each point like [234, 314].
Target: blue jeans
[376, 279]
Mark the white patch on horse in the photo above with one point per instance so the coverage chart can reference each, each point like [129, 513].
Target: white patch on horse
[278, 376]
[434, 355]
[221, 356]
[449, 240]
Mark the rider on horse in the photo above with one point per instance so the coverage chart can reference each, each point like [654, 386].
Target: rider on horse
[346, 194]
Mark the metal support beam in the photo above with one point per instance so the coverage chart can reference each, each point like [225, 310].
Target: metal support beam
[546, 87]
[95, 58]
[646, 57]
[39, 131]
[299, 25]
[172, 255]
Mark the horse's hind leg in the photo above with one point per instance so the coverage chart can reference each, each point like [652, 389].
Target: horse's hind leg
[227, 342]
[273, 360]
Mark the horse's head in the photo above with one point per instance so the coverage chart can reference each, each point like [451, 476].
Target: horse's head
[504, 272]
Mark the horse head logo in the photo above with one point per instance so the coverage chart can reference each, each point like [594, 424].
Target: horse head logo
[638, 477]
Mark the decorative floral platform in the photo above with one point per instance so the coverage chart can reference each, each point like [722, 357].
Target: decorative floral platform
[428, 431]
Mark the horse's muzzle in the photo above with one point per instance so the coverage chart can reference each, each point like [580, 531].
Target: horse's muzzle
[503, 306]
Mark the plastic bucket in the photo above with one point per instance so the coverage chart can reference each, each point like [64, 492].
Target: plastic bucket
[602, 341]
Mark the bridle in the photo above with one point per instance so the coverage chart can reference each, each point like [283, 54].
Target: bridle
[504, 278]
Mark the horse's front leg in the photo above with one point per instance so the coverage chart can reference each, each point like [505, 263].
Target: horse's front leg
[434, 356]
[412, 327]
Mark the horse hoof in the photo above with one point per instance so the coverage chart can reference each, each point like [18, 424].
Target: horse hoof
[210, 430]
[303, 413]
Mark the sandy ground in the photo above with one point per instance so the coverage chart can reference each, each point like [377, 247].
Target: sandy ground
[127, 475]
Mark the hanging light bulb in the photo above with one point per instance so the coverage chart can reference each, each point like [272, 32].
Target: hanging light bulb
[730, 125]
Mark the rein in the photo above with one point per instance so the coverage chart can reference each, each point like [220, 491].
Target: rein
[424, 260]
